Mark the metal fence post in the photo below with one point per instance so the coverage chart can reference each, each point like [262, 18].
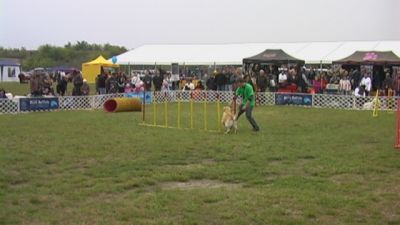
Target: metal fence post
[312, 101]
[92, 106]
[18, 106]
[273, 98]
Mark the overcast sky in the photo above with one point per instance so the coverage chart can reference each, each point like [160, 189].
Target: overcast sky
[132, 23]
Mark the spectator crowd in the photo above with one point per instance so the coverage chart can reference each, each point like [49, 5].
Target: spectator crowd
[360, 81]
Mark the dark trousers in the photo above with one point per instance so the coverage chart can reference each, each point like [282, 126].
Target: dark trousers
[249, 116]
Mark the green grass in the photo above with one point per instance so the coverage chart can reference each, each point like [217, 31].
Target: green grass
[306, 166]
[23, 89]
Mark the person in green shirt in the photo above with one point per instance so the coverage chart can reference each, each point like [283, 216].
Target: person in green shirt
[245, 90]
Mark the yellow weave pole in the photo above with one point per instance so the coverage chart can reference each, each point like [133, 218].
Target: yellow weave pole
[166, 112]
[191, 113]
[179, 111]
[205, 111]
[144, 109]
[218, 112]
[154, 113]
[376, 104]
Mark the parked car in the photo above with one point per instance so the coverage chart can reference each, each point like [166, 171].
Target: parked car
[24, 77]
[39, 70]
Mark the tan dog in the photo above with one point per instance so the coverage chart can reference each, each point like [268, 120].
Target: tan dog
[229, 120]
[370, 105]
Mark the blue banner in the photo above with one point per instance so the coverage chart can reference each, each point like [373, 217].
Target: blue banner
[34, 104]
[147, 97]
[293, 99]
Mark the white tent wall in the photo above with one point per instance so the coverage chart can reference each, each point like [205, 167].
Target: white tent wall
[233, 54]
[348, 48]
[316, 52]
[292, 48]
[9, 73]
[389, 46]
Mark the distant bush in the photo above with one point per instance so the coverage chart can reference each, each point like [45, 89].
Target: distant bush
[71, 55]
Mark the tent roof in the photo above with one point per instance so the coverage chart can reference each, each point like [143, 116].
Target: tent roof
[101, 61]
[202, 54]
[371, 57]
[9, 62]
[273, 56]
[233, 54]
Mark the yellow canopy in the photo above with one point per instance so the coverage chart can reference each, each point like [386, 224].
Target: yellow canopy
[93, 68]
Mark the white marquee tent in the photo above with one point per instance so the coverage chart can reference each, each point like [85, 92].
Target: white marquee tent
[233, 54]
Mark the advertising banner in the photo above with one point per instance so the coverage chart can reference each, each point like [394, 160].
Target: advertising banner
[35, 104]
[293, 99]
[147, 96]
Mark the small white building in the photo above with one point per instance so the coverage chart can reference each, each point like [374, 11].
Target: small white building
[9, 70]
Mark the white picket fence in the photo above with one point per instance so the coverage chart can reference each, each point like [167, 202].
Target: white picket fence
[94, 102]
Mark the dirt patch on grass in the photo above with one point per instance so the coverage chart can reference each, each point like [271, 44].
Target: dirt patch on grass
[198, 184]
[208, 161]
[183, 166]
[200, 165]
[346, 178]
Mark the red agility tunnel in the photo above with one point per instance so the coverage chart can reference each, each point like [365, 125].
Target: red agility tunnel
[123, 105]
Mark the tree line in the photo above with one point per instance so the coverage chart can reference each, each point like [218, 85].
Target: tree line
[70, 55]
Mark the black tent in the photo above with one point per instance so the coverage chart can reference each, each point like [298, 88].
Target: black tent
[273, 56]
[370, 58]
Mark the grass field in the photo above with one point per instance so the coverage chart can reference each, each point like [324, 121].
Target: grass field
[306, 166]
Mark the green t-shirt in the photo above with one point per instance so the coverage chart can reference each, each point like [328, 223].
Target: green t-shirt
[247, 93]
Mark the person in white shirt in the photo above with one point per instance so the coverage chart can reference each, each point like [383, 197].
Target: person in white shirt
[136, 83]
[135, 80]
[282, 79]
[366, 81]
[165, 85]
[344, 85]
[189, 86]
[360, 91]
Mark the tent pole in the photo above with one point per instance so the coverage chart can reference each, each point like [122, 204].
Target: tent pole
[320, 72]
[320, 65]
